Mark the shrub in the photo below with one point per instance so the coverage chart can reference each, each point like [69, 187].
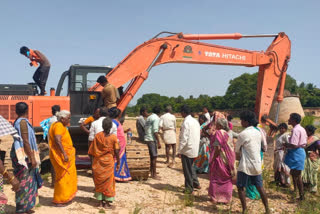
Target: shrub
[307, 120]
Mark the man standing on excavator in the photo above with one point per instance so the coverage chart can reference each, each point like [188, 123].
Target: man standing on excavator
[41, 75]
[109, 93]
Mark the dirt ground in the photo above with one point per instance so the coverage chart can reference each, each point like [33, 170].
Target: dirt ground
[151, 196]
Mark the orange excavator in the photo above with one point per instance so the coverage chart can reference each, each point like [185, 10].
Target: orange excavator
[187, 48]
[78, 92]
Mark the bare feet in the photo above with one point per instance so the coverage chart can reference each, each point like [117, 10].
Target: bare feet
[108, 205]
[196, 186]
[62, 205]
[59, 205]
[156, 177]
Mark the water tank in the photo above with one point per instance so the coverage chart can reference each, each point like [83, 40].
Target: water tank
[290, 104]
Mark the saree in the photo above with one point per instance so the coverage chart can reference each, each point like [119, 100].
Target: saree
[103, 151]
[201, 163]
[65, 183]
[221, 168]
[312, 164]
[123, 174]
[5, 129]
[29, 178]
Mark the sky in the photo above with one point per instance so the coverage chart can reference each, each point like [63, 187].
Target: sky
[100, 32]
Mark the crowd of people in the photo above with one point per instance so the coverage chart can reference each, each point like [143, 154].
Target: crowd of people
[207, 145]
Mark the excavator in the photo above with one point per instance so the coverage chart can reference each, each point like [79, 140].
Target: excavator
[83, 94]
[188, 48]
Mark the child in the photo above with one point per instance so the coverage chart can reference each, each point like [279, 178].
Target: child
[103, 149]
[281, 170]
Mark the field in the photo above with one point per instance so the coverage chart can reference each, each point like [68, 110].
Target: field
[164, 196]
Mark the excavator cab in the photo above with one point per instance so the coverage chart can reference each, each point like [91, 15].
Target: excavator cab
[75, 83]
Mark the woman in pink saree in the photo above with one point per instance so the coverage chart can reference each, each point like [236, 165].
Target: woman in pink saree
[222, 160]
[123, 173]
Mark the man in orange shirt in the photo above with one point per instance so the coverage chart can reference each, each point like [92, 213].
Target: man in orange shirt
[41, 75]
[89, 120]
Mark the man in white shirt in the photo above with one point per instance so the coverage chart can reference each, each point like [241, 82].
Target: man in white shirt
[188, 148]
[206, 113]
[96, 126]
[248, 150]
[54, 110]
[168, 126]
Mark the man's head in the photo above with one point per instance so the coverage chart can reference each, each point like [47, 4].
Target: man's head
[156, 110]
[282, 127]
[229, 117]
[202, 119]
[107, 125]
[205, 110]
[114, 113]
[55, 109]
[102, 80]
[25, 51]
[144, 111]
[104, 112]
[96, 114]
[248, 118]
[185, 110]
[294, 119]
[168, 108]
[21, 108]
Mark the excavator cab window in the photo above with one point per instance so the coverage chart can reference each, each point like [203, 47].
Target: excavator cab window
[84, 102]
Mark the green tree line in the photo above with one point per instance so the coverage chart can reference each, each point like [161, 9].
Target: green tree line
[241, 93]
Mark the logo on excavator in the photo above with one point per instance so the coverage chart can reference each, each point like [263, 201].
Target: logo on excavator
[188, 52]
[187, 49]
[224, 55]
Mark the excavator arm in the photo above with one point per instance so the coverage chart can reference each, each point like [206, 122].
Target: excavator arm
[181, 48]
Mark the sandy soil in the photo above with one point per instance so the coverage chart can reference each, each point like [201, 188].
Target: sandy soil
[151, 196]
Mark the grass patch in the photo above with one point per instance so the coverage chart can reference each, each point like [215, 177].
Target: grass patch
[310, 205]
[188, 200]
[137, 209]
[102, 211]
[38, 205]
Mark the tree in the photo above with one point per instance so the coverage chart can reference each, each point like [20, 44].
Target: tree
[291, 85]
[241, 93]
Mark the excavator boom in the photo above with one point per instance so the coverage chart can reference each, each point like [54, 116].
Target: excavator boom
[181, 48]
